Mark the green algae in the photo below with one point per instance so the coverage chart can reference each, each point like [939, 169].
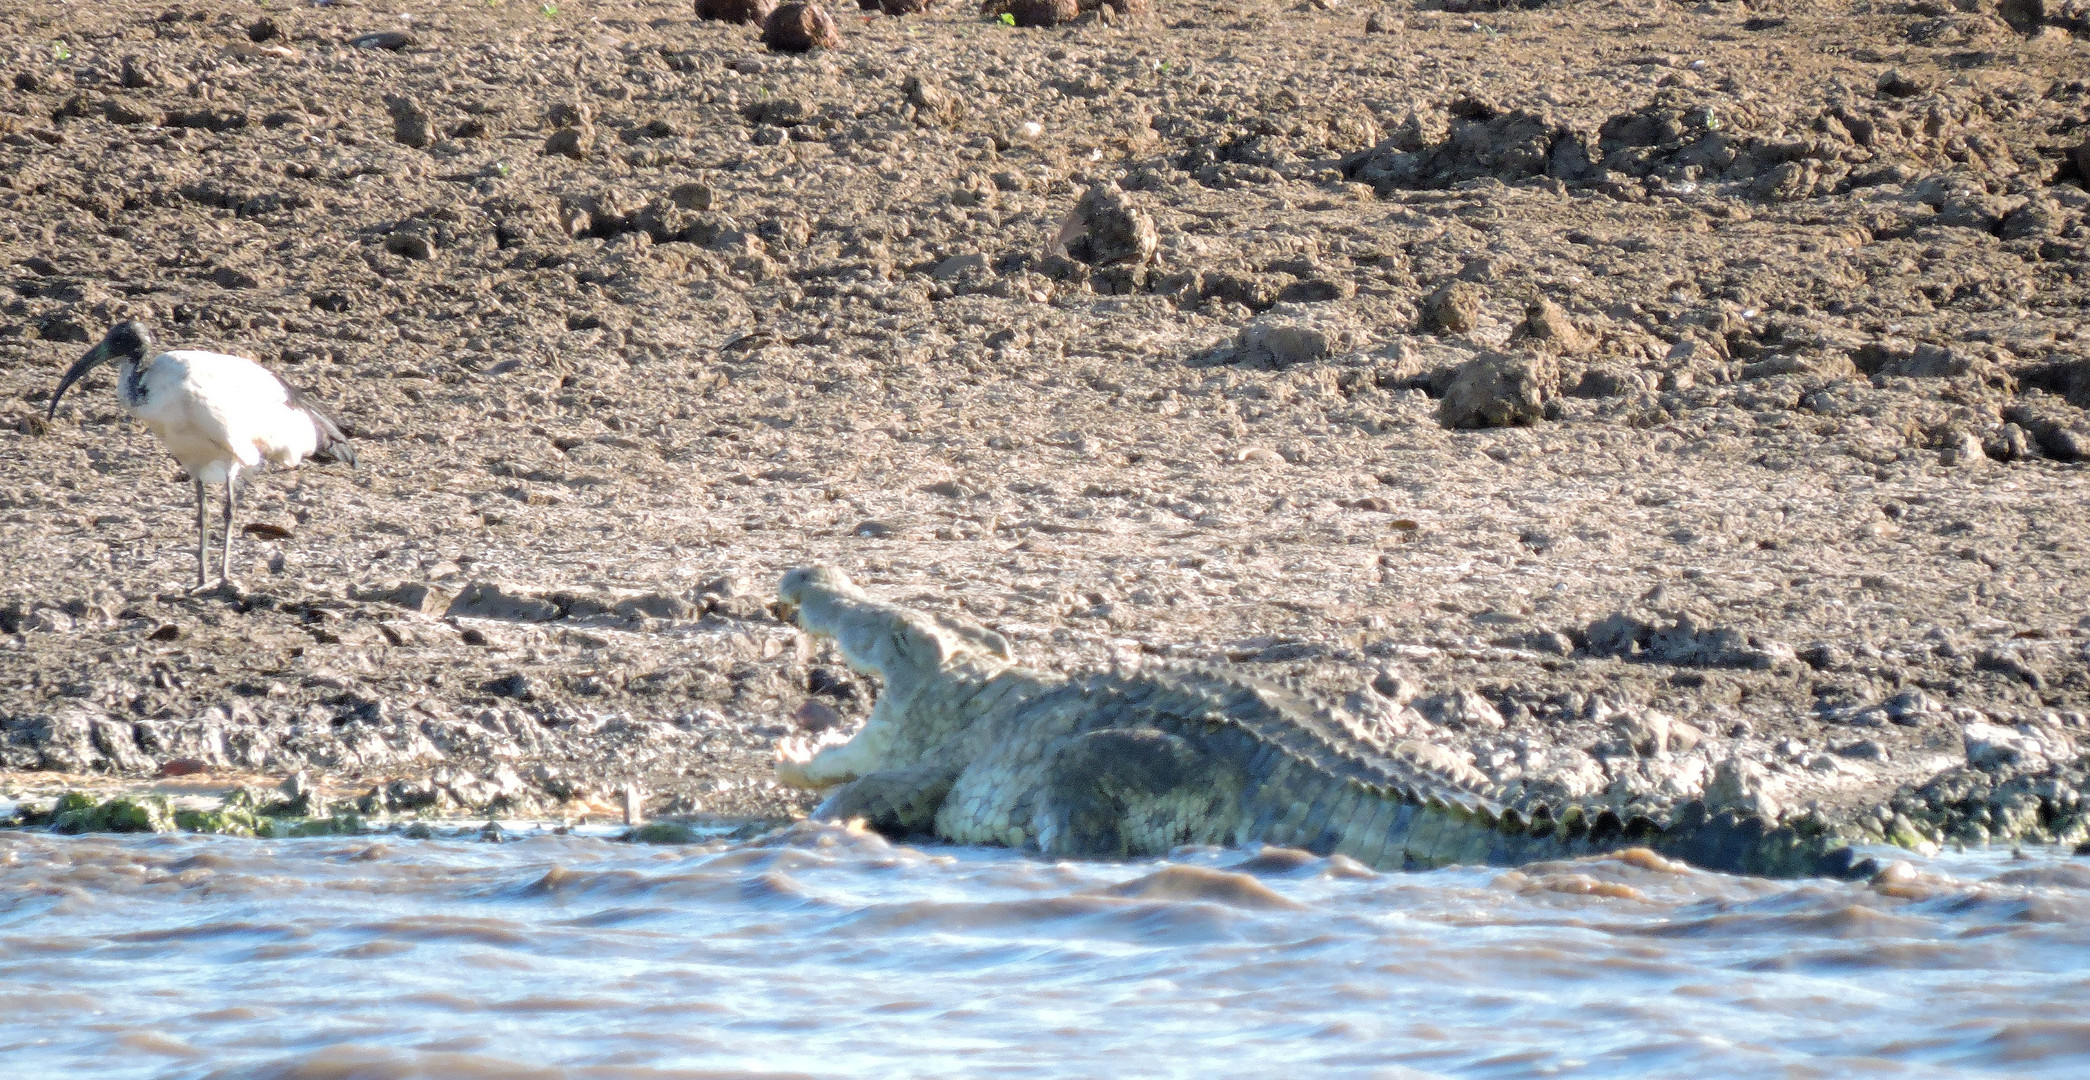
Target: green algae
[77, 813]
[245, 812]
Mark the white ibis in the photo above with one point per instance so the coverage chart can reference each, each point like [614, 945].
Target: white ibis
[216, 414]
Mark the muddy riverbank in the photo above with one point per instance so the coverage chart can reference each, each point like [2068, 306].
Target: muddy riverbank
[1156, 339]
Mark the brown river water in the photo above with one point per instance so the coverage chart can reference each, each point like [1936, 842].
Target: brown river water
[821, 952]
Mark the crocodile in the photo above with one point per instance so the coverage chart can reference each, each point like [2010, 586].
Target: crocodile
[965, 744]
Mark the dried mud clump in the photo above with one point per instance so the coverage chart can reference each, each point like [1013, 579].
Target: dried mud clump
[797, 28]
[1105, 229]
[1500, 390]
[1453, 309]
[745, 12]
[1039, 13]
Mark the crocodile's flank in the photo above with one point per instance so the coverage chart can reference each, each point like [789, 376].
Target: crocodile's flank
[965, 744]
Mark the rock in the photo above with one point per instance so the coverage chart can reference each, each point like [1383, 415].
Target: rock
[411, 124]
[1546, 324]
[2061, 431]
[1038, 13]
[931, 105]
[1683, 641]
[1885, 359]
[1461, 709]
[664, 832]
[1991, 747]
[798, 28]
[1382, 22]
[64, 741]
[1653, 732]
[570, 142]
[388, 40]
[1392, 686]
[514, 685]
[958, 266]
[1863, 750]
[485, 600]
[1454, 308]
[78, 813]
[1742, 787]
[1610, 380]
[896, 8]
[1500, 390]
[745, 12]
[1106, 229]
[421, 794]
[655, 606]
[413, 596]
[692, 196]
[410, 244]
[816, 716]
[1962, 449]
[117, 742]
[1893, 83]
[1912, 707]
[1274, 342]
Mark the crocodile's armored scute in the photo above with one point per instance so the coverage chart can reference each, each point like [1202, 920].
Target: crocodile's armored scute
[965, 744]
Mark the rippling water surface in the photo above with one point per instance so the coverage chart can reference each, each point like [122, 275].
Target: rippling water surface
[827, 953]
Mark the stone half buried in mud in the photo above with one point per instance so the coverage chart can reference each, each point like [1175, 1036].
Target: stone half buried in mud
[1280, 340]
[797, 28]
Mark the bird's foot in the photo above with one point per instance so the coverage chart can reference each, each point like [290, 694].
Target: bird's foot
[222, 589]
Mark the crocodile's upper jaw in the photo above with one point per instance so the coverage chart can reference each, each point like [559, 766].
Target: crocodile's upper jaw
[904, 648]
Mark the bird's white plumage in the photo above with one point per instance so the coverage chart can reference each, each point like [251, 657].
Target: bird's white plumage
[212, 410]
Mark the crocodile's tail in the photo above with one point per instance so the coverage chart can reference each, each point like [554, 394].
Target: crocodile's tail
[1391, 828]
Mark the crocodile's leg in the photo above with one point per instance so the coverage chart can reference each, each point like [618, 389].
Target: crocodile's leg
[896, 802]
[1133, 791]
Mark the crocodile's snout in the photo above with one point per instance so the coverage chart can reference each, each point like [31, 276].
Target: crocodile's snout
[800, 580]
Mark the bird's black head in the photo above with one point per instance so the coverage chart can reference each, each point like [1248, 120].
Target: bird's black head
[126, 341]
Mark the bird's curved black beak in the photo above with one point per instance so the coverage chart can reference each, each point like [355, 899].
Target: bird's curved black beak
[95, 357]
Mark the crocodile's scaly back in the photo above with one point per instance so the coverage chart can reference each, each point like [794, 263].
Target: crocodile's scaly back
[968, 745]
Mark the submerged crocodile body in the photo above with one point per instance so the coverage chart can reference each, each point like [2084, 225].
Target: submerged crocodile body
[965, 744]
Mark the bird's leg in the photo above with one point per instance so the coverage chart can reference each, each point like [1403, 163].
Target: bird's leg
[231, 492]
[202, 535]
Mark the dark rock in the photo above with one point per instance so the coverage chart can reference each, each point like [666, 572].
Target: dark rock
[1039, 13]
[570, 142]
[746, 12]
[1895, 84]
[904, 7]
[388, 40]
[800, 28]
[140, 74]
